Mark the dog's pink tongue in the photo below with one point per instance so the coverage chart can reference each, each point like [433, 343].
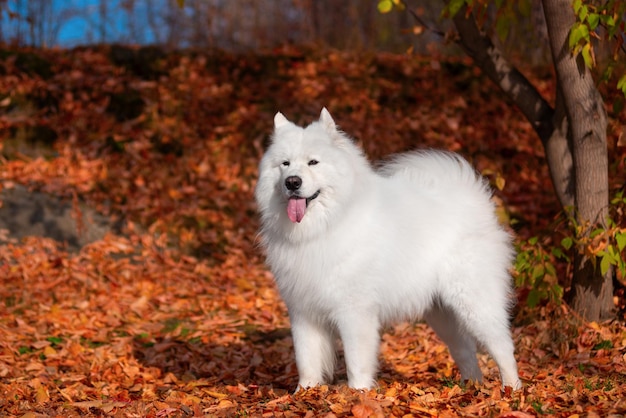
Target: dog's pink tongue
[295, 209]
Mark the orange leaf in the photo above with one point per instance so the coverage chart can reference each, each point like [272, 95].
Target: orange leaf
[42, 394]
[362, 411]
[216, 395]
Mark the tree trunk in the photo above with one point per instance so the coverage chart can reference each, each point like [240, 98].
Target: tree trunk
[558, 149]
[592, 293]
[573, 135]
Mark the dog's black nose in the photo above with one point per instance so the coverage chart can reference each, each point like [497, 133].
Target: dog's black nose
[293, 183]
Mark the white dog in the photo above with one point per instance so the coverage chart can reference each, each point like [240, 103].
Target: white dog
[353, 249]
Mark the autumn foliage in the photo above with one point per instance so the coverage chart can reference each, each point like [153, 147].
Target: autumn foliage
[177, 315]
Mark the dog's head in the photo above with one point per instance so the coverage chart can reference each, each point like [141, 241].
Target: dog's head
[306, 174]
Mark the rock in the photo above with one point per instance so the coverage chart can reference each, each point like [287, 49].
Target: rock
[28, 213]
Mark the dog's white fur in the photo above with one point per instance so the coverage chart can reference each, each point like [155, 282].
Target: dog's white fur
[416, 239]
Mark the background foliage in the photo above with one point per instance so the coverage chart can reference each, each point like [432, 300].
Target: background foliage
[173, 313]
[177, 315]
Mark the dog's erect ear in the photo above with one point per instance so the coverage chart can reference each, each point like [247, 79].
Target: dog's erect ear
[280, 120]
[327, 121]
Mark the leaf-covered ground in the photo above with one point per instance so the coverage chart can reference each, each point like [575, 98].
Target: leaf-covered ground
[177, 316]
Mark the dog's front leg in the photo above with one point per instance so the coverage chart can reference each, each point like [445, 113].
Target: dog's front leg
[359, 331]
[314, 345]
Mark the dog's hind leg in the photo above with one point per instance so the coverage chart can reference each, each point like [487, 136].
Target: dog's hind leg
[494, 335]
[461, 344]
[488, 322]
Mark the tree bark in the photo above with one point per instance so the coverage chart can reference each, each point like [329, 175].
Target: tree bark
[592, 293]
[558, 148]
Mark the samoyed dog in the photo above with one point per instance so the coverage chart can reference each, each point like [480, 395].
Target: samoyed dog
[353, 249]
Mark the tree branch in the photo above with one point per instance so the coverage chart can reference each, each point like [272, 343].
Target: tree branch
[550, 124]
[421, 21]
[513, 83]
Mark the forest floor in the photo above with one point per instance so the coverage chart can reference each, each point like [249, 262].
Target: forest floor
[173, 313]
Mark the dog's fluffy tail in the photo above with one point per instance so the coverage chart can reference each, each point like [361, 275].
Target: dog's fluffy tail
[436, 169]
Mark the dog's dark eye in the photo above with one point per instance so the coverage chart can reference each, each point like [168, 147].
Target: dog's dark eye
[286, 163]
[313, 162]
